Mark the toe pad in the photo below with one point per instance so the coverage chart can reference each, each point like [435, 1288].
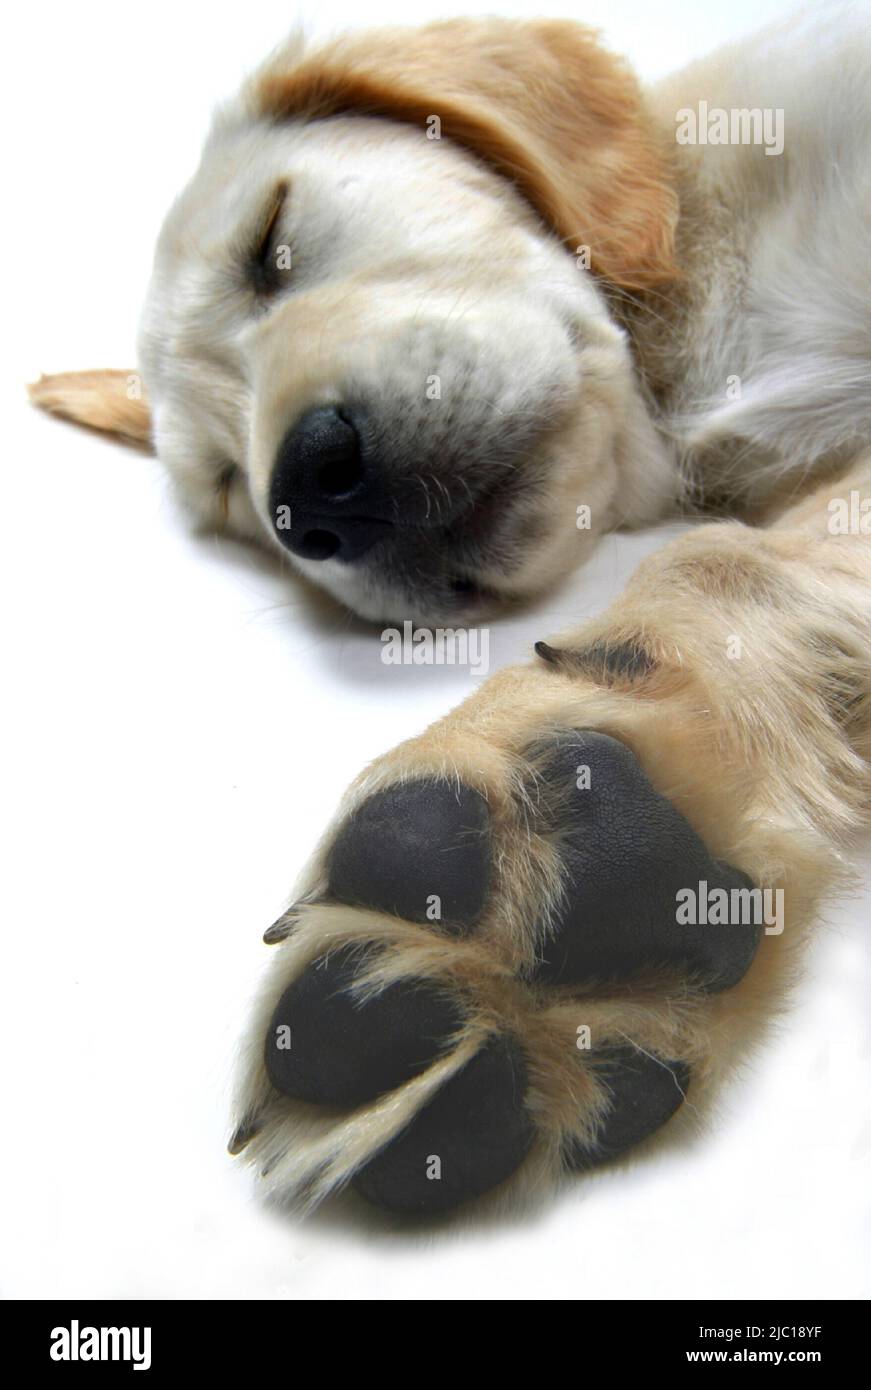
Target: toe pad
[327, 1047]
[645, 1092]
[411, 845]
[471, 1136]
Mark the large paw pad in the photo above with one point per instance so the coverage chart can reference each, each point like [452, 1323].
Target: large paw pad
[627, 855]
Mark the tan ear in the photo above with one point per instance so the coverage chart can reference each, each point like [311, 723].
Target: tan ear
[104, 400]
[539, 100]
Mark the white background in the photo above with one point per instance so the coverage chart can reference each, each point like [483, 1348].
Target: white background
[181, 720]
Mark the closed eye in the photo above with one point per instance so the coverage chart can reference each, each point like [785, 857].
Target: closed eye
[269, 262]
[224, 481]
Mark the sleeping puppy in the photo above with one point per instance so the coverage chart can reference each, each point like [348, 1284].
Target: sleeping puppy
[440, 307]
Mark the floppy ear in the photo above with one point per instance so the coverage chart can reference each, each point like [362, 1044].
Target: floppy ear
[539, 100]
[104, 400]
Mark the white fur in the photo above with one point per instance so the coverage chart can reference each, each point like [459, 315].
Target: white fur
[782, 268]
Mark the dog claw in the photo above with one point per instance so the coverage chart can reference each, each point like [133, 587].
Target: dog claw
[243, 1135]
[281, 928]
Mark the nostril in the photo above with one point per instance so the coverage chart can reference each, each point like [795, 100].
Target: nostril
[318, 545]
[464, 588]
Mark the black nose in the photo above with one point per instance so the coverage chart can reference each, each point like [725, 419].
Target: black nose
[326, 499]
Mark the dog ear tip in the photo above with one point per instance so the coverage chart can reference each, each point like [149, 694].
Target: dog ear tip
[43, 391]
[36, 389]
[99, 399]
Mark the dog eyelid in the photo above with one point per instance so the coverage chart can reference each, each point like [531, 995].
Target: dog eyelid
[224, 480]
[263, 267]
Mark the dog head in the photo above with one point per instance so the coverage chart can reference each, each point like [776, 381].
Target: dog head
[377, 331]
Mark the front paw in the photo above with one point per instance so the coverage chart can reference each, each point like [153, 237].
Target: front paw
[421, 1034]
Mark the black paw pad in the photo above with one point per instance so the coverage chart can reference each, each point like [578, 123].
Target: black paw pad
[419, 850]
[631, 859]
[471, 1136]
[325, 1046]
[645, 1092]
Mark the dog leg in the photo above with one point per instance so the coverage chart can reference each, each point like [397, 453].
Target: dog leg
[534, 931]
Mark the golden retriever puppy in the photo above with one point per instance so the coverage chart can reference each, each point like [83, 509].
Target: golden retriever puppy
[439, 308]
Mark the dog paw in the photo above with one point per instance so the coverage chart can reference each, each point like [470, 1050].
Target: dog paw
[486, 981]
